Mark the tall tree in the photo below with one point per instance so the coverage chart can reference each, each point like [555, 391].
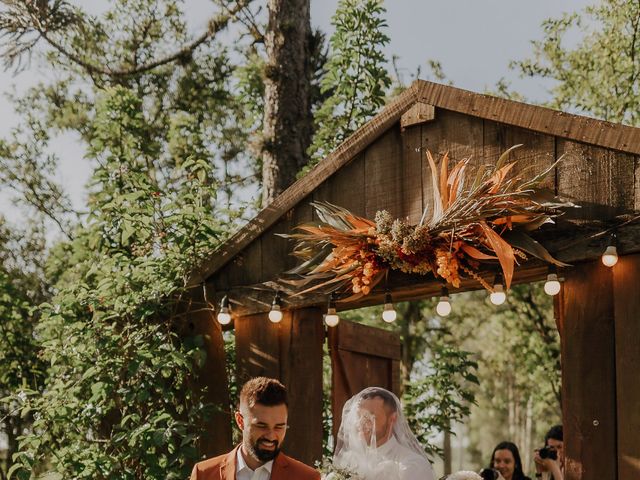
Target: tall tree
[287, 125]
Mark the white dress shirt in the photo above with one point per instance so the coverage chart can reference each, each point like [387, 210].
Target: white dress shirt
[412, 465]
[243, 472]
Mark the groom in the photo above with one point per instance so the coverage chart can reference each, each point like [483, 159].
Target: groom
[262, 417]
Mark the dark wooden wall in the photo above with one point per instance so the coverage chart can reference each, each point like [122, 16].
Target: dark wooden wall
[290, 351]
[600, 339]
[393, 174]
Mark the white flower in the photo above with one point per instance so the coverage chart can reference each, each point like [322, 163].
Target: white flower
[464, 475]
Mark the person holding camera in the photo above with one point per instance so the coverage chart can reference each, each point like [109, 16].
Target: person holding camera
[550, 458]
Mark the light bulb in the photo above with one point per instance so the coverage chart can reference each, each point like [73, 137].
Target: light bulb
[610, 256]
[552, 285]
[331, 318]
[498, 296]
[275, 314]
[224, 317]
[444, 307]
[389, 314]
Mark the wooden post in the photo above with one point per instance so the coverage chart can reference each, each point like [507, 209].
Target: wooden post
[213, 377]
[290, 351]
[626, 276]
[588, 373]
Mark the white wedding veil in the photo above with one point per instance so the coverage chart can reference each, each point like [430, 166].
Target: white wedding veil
[356, 447]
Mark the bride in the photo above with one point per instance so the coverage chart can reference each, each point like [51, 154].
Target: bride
[374, 440]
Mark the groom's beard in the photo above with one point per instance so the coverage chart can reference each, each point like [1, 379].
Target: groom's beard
[262, 454]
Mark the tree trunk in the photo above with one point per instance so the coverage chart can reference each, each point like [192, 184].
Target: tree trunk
[447, 453]
[287, 125]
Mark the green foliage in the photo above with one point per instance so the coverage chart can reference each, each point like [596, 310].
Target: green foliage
[117, 401]
[356, 78]
[599, 75]
[20, 289]
[440, 394]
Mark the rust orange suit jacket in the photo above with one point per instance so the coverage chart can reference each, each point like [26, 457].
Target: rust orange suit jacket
[224, 468]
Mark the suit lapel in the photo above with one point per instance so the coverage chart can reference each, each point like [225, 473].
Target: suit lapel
[280, 465]
[228, 467]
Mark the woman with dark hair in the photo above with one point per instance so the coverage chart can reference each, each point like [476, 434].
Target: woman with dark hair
[506, 459]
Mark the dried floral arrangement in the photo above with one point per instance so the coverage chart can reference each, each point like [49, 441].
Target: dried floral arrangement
[477, 215]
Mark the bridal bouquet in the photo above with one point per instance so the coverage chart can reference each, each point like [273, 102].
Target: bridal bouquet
[328, 471]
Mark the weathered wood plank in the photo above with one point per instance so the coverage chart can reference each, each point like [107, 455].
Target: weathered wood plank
[601, 180]
[383, 175]
[301, 341]
[626, 277]
[212, 378]
[539, 119]
[352, 371]
[536, 154]
[345, 187]
[257, 347]
[412, 174]
[461, 136]
[589, 373]
[418, 114]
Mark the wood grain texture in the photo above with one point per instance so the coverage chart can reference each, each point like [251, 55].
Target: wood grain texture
[418, 114]
[534, 157]
[301, 341]
[383, 180]
[368, 366]
[589, 373]
[601, 180]
[626, 275]
[211, 380]
[616, 138]
[412, 188]
[539, 119]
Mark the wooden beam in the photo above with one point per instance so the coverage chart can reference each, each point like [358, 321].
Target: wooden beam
[211, 380]
[290, 351]
[418, 114]
[588, 373]
[614, 136]
[626, 274]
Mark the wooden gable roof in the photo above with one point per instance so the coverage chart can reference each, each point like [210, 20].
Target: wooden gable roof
[380, 167]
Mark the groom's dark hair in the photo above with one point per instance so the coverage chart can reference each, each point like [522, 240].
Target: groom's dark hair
[387, 398]
[263, 390]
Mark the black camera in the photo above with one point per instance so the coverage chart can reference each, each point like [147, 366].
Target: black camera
[548, 452]
[489, 474]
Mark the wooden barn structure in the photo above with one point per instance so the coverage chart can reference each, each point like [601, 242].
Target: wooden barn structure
[383, 166]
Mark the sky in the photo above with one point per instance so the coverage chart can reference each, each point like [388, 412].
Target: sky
[474, 40]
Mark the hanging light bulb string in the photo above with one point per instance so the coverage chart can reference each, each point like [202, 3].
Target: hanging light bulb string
[498, 295]
[224, 316]
[444, 306]
[389, 313]
[275, 314]
[331, 318]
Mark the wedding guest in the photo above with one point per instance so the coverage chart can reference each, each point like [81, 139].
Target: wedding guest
[551, 468]
[506, 459]
[262, 417]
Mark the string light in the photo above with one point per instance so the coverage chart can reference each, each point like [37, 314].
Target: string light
[389, 314]
[610, 255]
[331, 318]
[224, 317]
[552, 285]
[275, 314]
[444, 307]
[498, 296]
